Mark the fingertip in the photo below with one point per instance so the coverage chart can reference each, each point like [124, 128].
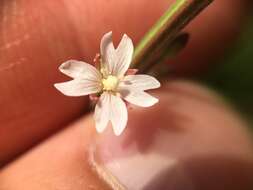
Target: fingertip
[164, 144]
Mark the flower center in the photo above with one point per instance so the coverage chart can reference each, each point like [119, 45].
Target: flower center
[110, 83]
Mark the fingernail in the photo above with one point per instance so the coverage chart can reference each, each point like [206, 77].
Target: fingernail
[172, 146]
[140, 158]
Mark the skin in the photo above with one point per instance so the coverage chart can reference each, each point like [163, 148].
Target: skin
[211, 137]
[36, 37]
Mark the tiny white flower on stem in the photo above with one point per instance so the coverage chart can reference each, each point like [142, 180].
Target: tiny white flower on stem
[112, 83]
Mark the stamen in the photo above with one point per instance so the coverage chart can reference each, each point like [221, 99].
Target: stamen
[97, 60]
[110, 83]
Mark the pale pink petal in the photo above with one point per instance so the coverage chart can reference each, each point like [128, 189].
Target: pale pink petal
[139, 82]
[118, 114]
[113, 108]
[78, 87]
[79, 69]
[123, 57]
[107, 52]
[97, 60]
[102, 112]
[139, 98]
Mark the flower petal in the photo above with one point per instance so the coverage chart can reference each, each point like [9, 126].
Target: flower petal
[139, 82]
[123, 56]
[118, 114]
[107, 51]
[102, 112]
[116, 61]
[113, 108]
[79, 69]
[139, 98]
[78, 87]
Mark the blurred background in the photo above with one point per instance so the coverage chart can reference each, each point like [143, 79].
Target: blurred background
[232, 75]
[37, 36]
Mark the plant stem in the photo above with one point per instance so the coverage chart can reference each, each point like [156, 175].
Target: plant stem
[166, 30]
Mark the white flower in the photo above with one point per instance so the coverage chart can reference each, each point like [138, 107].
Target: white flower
[110, 82]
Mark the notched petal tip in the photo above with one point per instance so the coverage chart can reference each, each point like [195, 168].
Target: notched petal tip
[61, 87]
[124, 53]
[80, 69]
[107, 51]
[100, 129]
[140, 98]
[150, 103]
[55, 85]
[66, 65]
[151, 82]
[139, 82]
[109, 33]
[127, 38]
[58, 86]
[157, 84]
[117, 132]
[127, 43]
[77, 87]
[118, 115]
[156, 100]
[105, 40]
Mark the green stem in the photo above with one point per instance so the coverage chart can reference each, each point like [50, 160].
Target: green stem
[166, 30]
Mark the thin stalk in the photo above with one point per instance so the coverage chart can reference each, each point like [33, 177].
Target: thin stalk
[166, 30]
